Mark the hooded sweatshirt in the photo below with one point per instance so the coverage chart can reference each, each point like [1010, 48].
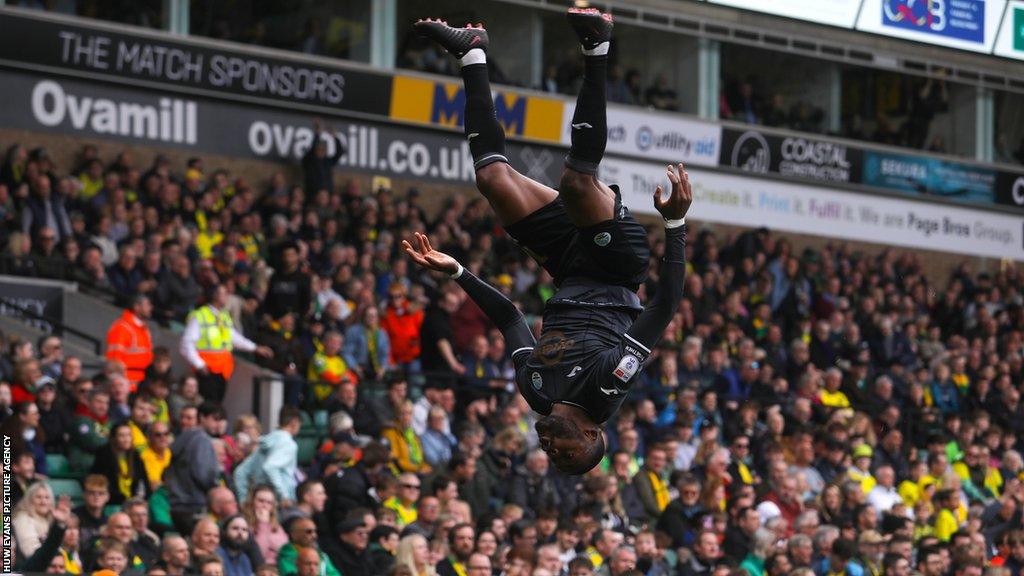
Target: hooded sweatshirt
[275, 462]
[193, 471]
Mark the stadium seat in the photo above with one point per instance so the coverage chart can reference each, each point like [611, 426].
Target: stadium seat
[307, 448]
[69, 488]
[57, 466]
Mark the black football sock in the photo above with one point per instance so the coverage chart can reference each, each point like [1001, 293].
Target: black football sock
[485, 134]
[589, 122]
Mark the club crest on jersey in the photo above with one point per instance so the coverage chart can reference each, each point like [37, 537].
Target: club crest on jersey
[627, 367]
[603, 239]
[536, 380]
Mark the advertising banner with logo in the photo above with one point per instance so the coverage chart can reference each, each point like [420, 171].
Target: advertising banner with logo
[1010, 189]
[1010, 41]
[929, 176]
[655, 136]
[832, 12]
[793, 156]
[44, 298]
[965, 24]
[150, 117]
[822, 211]
[189, 65]
[426, 101]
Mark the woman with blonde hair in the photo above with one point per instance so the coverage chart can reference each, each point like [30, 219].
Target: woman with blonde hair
[414, 553]
[32, 518]
[260, 510]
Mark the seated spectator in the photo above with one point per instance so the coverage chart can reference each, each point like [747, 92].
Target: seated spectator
[174, 555]
[205, 538]
[660, 95]
[367, 349]
[776, 114]
[406, 449]
[302, 534]
[414, 554]
[234, 541]
[156, 456]
[146, 544]
[121, 465]
[32, 518]
[260, 510]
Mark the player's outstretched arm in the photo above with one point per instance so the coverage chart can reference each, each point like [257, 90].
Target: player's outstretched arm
[501, 311]
[649, 326]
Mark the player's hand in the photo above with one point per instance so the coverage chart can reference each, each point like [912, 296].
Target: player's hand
[679, 200]
[425, 255]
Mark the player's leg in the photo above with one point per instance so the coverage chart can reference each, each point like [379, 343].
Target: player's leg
[511, 195]
[587, 200]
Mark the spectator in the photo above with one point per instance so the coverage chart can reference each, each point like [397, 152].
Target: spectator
[328, 369]
[406, 448]
[302, 540]
[129, 340]
[260, 511]
[194, 468]
[290, 288]
[119, 461]
[234, 540]
[146, 544]
[402, 322]
[31, 520]
[208, 341]
[174, 555]
[414, 554]
[156, 454]
[660, 95]
[24, 426]
[205, 538]
[317, 166]
[44, 209]
[439, 358]
[275, 461]
[367, 349]
[90, 429]
[350, 553]
[178, 293]
[438, 444]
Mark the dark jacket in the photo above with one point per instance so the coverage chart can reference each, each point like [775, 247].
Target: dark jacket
[40, 560]
[348, 488]
[106, 464]
[534, 492]
[681, 523]
[318, 172]
[350, 562]
[194, 469]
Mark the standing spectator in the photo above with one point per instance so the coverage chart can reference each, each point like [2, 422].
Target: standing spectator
[208, 342]
[317, 166]
[367, 349]
[438, 360]
[275, 461]
[178, 292]
[194, 468]
[129, 340]
[402, 321]
[290, 287]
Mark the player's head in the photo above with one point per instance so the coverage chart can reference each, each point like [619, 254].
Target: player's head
[573, 449]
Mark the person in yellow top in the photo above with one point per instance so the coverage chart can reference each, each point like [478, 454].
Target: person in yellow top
[404, 503]
[209, 340]
[860, 471]
[156, 455]
[980, 480]
[406, 449]
[831, 396]
[946, 501]
[914, 488]
[651, 483]
[328, 369]
[139, 420]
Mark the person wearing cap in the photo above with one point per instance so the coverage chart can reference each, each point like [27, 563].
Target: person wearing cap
[860, 471]
[350, 552]
[129, 339]
[870, 549]
[210, 338]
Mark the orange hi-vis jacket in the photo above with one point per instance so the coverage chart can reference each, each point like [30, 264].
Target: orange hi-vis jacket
[129, 341]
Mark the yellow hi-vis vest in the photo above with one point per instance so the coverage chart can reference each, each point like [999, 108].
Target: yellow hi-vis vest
[214, 329]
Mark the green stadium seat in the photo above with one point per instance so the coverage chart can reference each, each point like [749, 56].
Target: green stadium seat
[57, 466]
[69, 488]
[307, 448]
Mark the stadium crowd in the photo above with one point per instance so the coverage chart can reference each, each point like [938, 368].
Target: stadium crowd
[817, 412]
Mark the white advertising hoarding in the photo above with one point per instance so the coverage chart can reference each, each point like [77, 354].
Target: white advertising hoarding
[809, 209]
[832, 12]
[964, 24]
[1010, 41]
[655, 135]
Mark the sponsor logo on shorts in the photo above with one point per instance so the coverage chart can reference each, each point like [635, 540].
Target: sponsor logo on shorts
[603, 239]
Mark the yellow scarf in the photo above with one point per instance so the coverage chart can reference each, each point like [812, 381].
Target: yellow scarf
[660, 490]
[124, 477]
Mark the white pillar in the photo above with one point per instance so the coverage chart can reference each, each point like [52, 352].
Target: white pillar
[709, 70]
[176, 19]
[383, 18]
[985, 125]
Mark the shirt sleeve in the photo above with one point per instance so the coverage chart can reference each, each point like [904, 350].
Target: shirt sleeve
[646, 330]
[240, 342]
[519, 340]
[188, 344]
